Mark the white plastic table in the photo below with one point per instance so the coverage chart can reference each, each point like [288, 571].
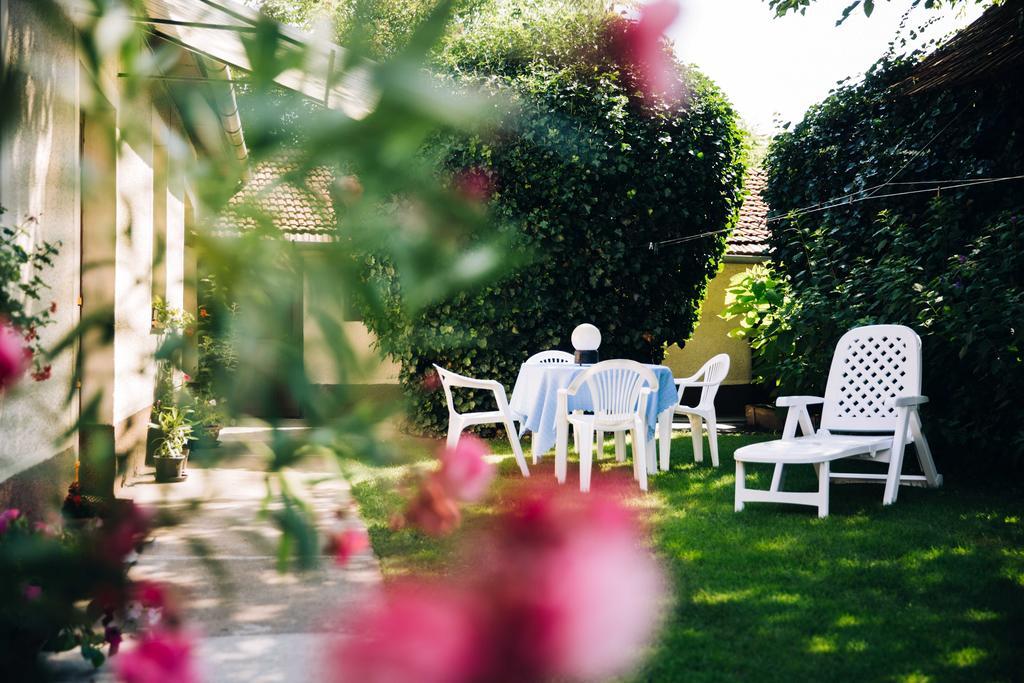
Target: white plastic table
[534, 401]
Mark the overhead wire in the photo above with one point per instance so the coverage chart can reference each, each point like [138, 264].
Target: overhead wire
[934, 186]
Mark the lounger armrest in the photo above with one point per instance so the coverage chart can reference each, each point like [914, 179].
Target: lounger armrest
[905, 401]
[788, 401]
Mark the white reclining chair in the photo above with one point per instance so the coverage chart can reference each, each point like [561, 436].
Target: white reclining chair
[619, 391]
[708, 378]
[870, 412]
[459, 421]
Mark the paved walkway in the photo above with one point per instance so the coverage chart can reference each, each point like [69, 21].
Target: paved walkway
[257, 625]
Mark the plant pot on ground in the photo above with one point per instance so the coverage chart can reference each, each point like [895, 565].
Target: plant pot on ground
[172, 448]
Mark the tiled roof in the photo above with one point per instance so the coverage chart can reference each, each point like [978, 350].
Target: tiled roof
[303, 212]
[750, 236]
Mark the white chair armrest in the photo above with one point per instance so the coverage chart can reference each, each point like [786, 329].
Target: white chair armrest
[470, 383]
[905, 401]
[787, 401]
[641, 404]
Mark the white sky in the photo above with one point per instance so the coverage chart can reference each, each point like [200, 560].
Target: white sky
[775, 68]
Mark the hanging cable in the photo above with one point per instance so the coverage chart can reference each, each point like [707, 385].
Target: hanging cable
[935, 186]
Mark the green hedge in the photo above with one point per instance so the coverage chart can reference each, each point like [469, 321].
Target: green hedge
[950, 264]
[582, 179]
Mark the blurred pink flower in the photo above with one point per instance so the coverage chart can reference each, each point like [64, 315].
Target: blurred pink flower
[123, 532]
[14, 355]
[112, 635]
[8, 516]
[432, 511]
[344, 544]
[475, 184]
[33, 592]
[568, 570]
[431, 381]
[159, 657]
[414, 632]
[464, 473]
[559, 587]
[639, 46]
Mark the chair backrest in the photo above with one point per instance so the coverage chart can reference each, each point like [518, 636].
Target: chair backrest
[615, 385]
[871, 366]
[447, 377]
[714, 372]
[559, 357]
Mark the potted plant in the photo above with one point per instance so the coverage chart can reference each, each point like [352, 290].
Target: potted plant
[172, 448]
[207, 421]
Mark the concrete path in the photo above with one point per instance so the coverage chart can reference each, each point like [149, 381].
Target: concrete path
[257, 624]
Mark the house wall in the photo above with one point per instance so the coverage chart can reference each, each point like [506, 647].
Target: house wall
[48, 185]
[711, 337]
[321, 366]
[39, 189]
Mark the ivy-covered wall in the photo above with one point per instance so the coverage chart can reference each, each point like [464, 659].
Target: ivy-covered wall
[949, 262]
[584, 177]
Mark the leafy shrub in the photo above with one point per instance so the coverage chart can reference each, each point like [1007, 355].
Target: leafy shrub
[20, 297]
[586, 175]
[950, 264]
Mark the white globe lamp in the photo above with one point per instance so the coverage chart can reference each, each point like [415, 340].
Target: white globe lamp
[586, 339]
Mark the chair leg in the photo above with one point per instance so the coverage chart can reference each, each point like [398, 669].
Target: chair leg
[899, 447]
[640, 454]
[535, 447]
[665, 438]
[620, 446]
[778, 478]
[823, 479]
[712, 423]
[454, 431]
[697, 434]
[741, 485]
[586, 457]
[924, 452]
[599, 445]
[576, 439]
[517, 448]
[561, 449]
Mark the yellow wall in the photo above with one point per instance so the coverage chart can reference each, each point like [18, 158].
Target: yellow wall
[711, 336]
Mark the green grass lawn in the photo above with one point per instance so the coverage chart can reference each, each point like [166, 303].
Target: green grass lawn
[931, 589]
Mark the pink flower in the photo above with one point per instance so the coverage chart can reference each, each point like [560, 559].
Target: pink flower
[112, 635]
[474, 184]
[431, 381]
[42, 374]
[566, 569]
[33, 592]
[159, 657]
[14, 355]
[639, 46]
[432, 511]
[464, 473]
[345, 544]
[123, 532]
[415, 632]
[8, 516]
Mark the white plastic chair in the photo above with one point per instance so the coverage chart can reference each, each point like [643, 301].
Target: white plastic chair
[556, 357]
[708, 378]
[870, 412]
[459, 421]
[619, 391]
